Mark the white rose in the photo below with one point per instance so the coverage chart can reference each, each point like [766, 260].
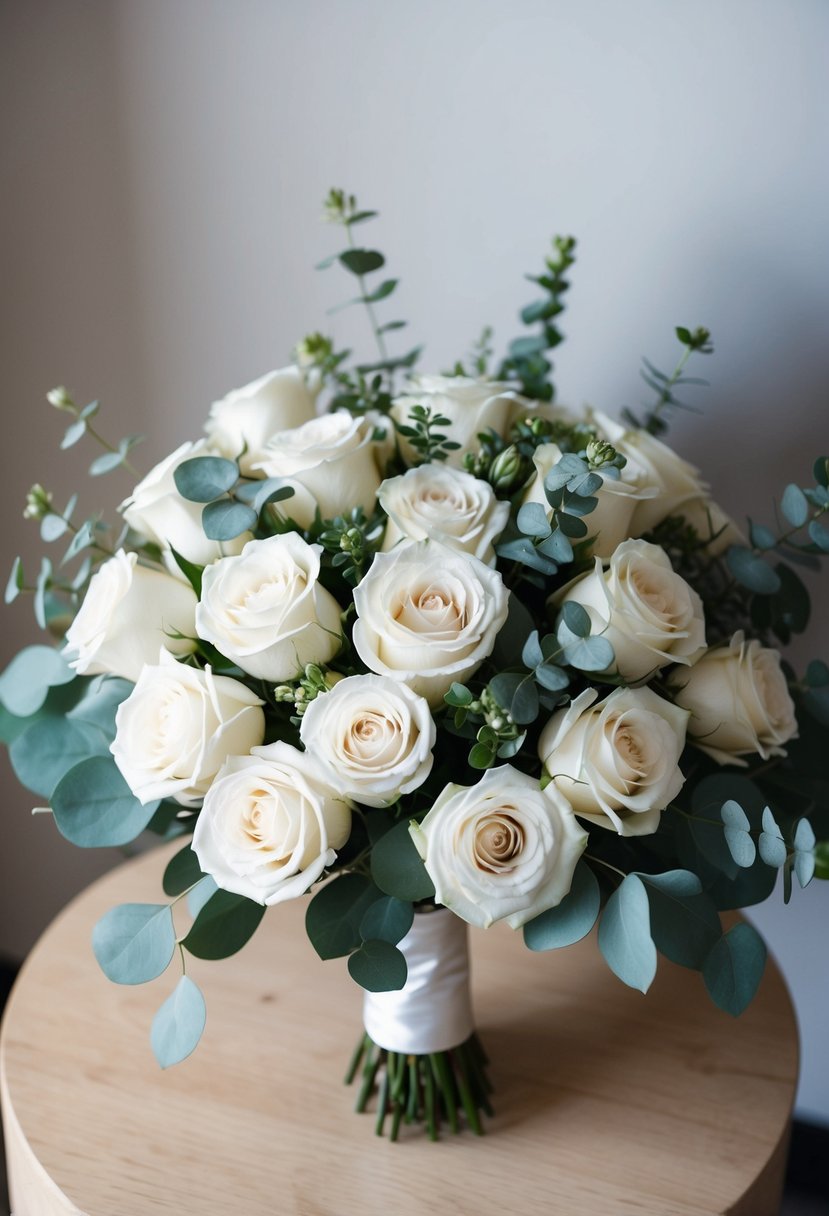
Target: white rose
[649, 614]
[651, 463]
[330, 464]
[616, 762]
[617, 500]
[472, 407]
[128, 614]
[501, 849]
[374, 735]
[428, 616]
[156, 510]
[433, 502]
[240, 425]
[178, 726]
[266, 611]
[270, 824]
[739, 702]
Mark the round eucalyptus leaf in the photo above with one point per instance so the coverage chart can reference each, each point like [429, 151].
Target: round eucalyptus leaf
[378, 966]
[225, 520]
[205, 478]
[387, 919]
[625, 934]
[734, 968]
[334, 915]
[569, 921]
[93, 805]
[49, 748]
[752, 571]
[26, 681]
[179, 1023]
[224, 925]
[134, 943]
[397, 868]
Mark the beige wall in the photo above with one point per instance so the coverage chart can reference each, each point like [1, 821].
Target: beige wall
[163, 163]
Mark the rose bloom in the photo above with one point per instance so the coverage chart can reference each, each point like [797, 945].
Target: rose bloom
[616, 761]
[240, 425]
[428, 616]
[611, 521]
[739, 702]
[472, 406]
[156, 510]
[178, 726]
[433, 502]
[649, 614]
[501, 849]
[266, 611]
[128, 613]
[374, 736]
[330, 464]
[270, 824]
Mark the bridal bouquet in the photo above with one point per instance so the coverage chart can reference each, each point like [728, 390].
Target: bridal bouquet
[441, 651]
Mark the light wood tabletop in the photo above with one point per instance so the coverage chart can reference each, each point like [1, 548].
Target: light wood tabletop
[608, 1103]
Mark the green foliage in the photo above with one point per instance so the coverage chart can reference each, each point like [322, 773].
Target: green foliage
[45, 752]
[94, 807]
[430, 445]
[223, 926]
[179, 1024]
[387, 919]
[378, 966]
[225, 520]
[737, 833]
[397, 867]
[752, 571]
[351, 541]
[692, 341]
[205, 478]
[734, 968]
[182, 871]
[25, 683]
[569, 921]
[625, 934]
[684, 922]
[134, 943]
[335, 914]
[526, 360]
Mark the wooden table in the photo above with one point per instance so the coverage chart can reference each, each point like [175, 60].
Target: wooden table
[608, 1103]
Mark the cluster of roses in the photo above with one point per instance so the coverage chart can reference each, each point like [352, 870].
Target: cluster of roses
[425, 616]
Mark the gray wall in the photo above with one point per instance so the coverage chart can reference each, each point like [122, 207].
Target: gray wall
[164, 164]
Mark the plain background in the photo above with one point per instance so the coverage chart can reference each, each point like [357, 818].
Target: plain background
[164, 163]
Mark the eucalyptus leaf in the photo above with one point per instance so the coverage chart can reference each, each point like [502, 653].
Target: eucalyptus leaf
[93, 805]
[397, 868]
[134, 943]
[794, 506]
[182, 871]
[590, 654]
[685, 924]
[532, 520]
[378, 966]
[570, 920]
[25, 683]
[179, 1024]
[576, 618]
[223, 926]
[205, 478]
[105, 464]
[734, 968]
[771, 845]
[625, 934]
[387, 919]
[334, 915]
[752, 571]
[50, 747]
[225, 520]
[362, 261]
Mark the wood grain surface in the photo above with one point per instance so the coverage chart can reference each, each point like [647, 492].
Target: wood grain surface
[608, 1103]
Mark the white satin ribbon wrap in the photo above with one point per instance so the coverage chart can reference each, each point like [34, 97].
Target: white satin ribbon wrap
[433, 1011]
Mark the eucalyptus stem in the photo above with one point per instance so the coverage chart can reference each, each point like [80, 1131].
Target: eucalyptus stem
[364, 293]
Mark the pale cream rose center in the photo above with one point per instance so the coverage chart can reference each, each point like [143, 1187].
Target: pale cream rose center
[373, 739]
[431, 610]
[499, 839]
[657, 597]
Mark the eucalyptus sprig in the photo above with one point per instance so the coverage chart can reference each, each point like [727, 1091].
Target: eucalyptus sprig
[526, 359]
[429, 444]
[693, 341]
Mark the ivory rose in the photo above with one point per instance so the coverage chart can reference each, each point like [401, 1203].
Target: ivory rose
[178, 726]
[270, 824]
[427, 616]
[651, 464]
[156, 510]
[501, 849]
[266, 611]
[374, 736]
[240, 425]
[128, 614]
[611, 521]
[617, 760]
[438, 503]
[739, 702]
[330, 464]
[649, 614]
[472, 406]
